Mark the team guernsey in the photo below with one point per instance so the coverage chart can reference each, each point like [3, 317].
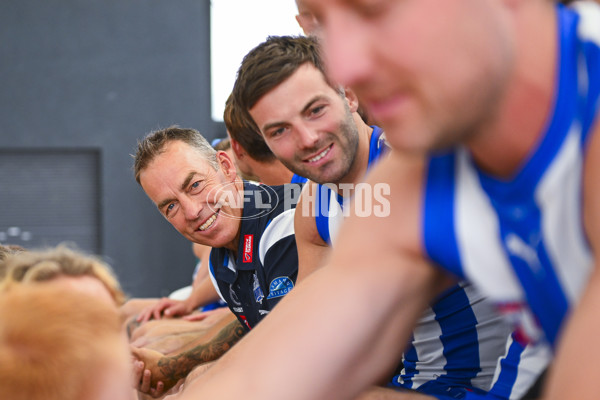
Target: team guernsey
[460, 344]
[521, 241]
[265, 267]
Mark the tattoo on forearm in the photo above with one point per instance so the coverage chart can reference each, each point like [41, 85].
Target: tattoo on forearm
[178, 366]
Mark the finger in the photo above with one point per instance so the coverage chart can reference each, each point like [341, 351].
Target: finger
[138, 369]
[194, 317]
[146, 379]
[160, 387]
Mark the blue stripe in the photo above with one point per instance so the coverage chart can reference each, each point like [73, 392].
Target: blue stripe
[210, 264]
[459, 337]
[322, 212]
[557, 129]
[514, 201]
[438, 216]
[509, 369]
[376, 148]
[298, 179]
[410, 367]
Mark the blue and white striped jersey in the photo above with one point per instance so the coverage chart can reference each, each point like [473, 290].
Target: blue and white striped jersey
[521, 241]
[460, 339]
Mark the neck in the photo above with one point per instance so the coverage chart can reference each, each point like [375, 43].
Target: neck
[238, 213]
[361, 160]
[272, 173]
[508, 139]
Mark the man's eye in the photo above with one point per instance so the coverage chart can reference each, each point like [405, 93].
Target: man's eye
[277, 132]
[318, 109]
[167, 211]
[195, 187]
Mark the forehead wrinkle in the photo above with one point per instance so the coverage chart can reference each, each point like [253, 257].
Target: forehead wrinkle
[185, 183]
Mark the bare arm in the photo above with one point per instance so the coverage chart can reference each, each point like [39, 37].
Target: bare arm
[312, 250]
[171, 369]
[345, 325]
[575, 370]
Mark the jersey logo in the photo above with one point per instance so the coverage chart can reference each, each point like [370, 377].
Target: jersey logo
[243, 318]
[248, 239]
[233, 296]
[280, 287]
[258, 293]
[518, 248]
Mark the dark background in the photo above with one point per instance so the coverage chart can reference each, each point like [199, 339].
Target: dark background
[81, 82]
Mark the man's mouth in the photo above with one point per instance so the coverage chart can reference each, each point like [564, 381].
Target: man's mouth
[320, 155]
[208, 223]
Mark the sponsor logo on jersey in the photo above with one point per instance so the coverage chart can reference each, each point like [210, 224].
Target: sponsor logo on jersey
[233, 296]
[258, 293]
[238, 309]
[243, 318]
[263, 312]
[248, 240]
[280, 286]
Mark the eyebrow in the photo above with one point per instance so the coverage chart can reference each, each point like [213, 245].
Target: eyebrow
[185, 183]
[304, 110]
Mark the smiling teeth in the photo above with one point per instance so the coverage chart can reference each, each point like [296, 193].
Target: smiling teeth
[208, 222]
[320, 155]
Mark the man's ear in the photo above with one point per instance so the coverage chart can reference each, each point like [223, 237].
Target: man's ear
[227, 165]
[351, 98]
[238, 150]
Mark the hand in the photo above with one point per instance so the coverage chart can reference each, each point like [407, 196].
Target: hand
[164, 307]
[200, 316]
[149, 378]
[142, 379]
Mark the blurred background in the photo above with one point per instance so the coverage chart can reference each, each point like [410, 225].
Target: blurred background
[81, 82]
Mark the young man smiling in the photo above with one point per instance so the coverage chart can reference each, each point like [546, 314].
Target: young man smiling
[313, 127]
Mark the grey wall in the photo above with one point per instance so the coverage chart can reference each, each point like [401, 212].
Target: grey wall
[94, 76]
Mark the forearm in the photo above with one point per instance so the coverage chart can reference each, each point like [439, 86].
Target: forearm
[179, 366]
[362, 356]
[202, 294]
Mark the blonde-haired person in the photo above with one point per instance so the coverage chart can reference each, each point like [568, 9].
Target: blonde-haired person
[64, 265]
[58, 344]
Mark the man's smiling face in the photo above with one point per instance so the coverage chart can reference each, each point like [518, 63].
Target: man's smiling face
[187, 189]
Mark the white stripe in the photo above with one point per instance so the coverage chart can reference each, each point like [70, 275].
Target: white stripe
[589, 25]
[478, 237]
[559, 198]
[429, 349]
[492, 331]
[336, 216]
[280, 227]
[534, 360]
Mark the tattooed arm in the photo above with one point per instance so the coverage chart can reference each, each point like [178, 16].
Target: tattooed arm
[170, 369]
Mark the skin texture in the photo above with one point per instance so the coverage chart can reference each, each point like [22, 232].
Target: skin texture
[316, 122]
[208, 346]
[187, 191]
[303, 117]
